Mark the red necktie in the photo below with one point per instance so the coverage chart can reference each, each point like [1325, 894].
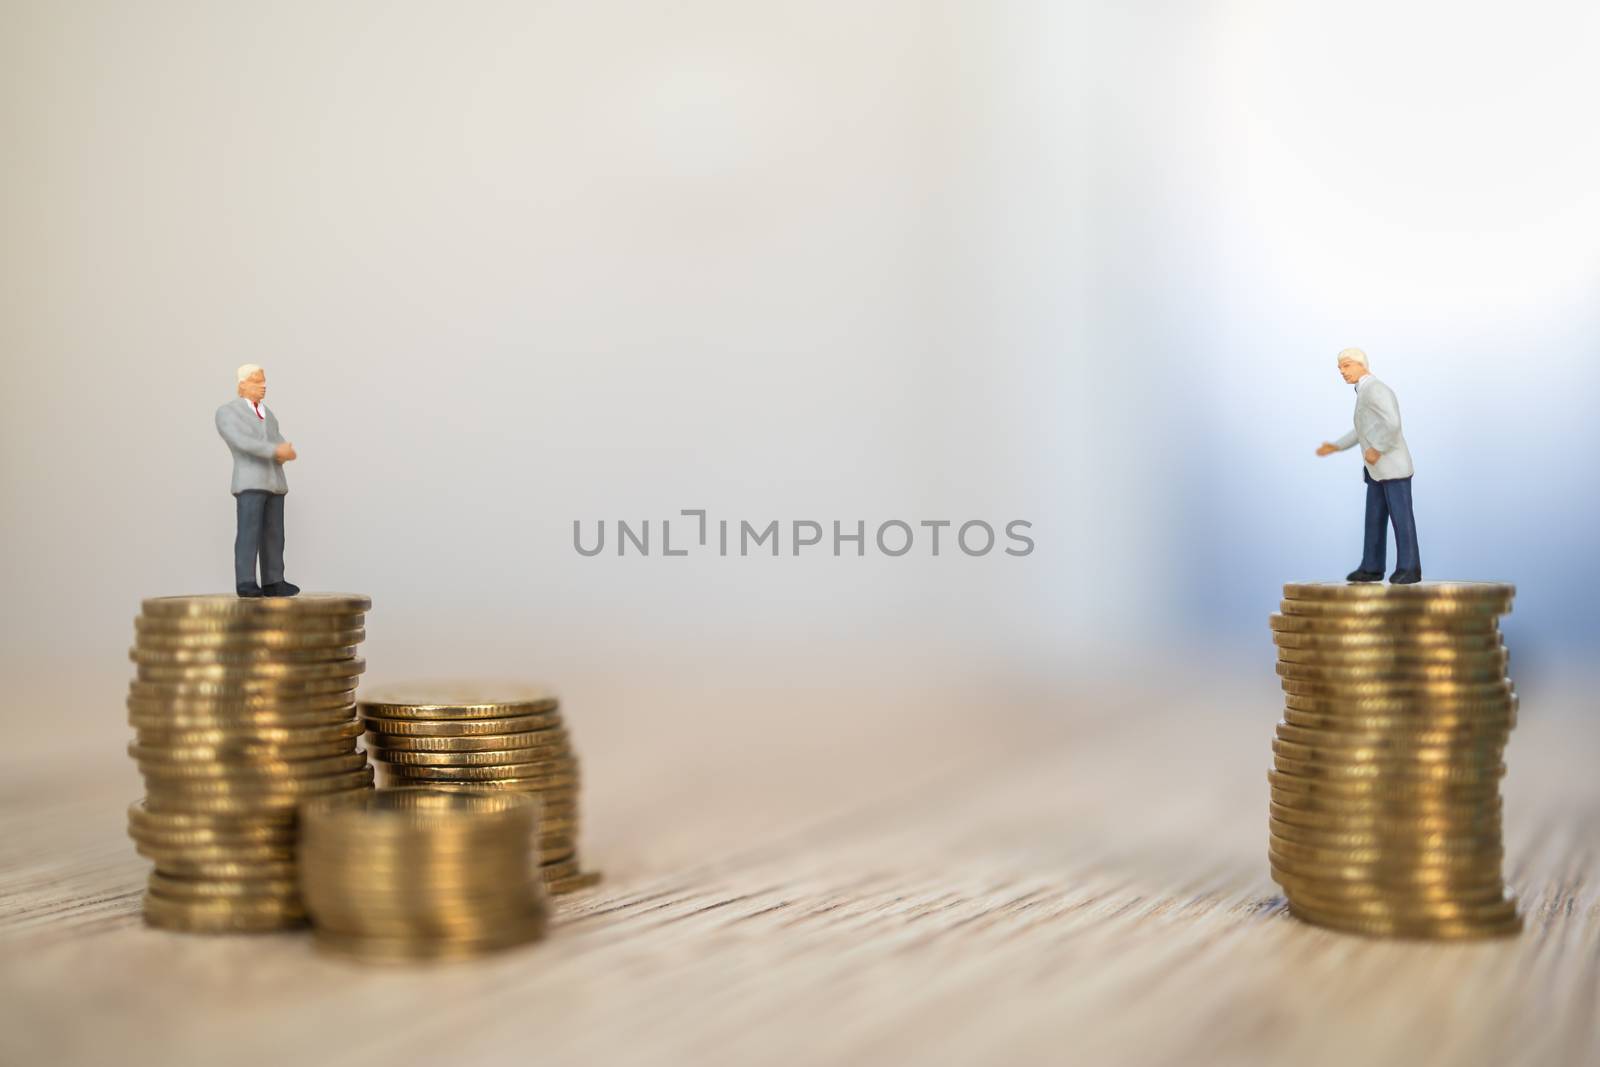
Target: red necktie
[260, 416]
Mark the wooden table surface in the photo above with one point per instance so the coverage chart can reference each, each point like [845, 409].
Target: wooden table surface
[876, 877]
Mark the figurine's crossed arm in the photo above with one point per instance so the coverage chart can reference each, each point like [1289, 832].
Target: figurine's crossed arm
[248, 443]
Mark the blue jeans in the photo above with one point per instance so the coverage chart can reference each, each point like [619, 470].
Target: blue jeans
[260, 534]
[1389, 501]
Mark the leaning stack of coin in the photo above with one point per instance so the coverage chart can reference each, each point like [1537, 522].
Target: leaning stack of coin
[485, 736]
[417, 873]
[243, 707]
[1385, 816]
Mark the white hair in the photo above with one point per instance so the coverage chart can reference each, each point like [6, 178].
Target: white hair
[1355, 355]
[250, 370]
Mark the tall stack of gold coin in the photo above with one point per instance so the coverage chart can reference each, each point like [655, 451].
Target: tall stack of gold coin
[421, 874]
[485, 736]
[243, 707]
[1385, 815]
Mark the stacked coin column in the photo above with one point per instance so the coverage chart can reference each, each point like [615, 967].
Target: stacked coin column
[242, 708]
[465, 736]
[1385, 815]
[415, 874]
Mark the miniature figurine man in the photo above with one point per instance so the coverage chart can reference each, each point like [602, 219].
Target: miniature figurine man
[1387, 474]
[259, 453]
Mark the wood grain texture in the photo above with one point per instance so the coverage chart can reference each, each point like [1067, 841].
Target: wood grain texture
[875, 879]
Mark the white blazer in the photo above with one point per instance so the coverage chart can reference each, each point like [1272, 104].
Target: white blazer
[1378, 426]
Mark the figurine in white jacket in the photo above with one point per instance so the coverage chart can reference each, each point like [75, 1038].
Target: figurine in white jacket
[1387, 474]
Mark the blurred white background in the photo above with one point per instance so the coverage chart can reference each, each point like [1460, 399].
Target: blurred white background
[513, 264]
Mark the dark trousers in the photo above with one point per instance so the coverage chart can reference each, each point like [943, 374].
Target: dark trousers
[260, 533]
[1389, 501]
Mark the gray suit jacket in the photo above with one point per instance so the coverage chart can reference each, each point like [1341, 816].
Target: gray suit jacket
[254, 443]
[1378, 426]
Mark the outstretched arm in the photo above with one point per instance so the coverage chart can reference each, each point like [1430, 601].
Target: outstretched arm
[1327, 448]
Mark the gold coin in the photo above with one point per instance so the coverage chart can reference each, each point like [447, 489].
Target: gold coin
[1471, 760]
[1418, 694]
[1440, 930]
[1395, 742]
[1390, 790]
[231, 704]
[455, 920]
[1402, 725]
[1385, 624]
[225, 870]
[1403, 676]
[479, 778]
[369, 949]
[1498, 910]
[1360, 821]
[248, 660]
[224, 798]
[1397, 843]
[548, 772]
[1387, 812]
[267, 629]
[235, 692]
[566, 793]
[457, 700]
[1387, 775]
[215, 917]
[463, 727]
[480, 743]
[256, 671]
[245, 843]
[1414, 895]
[368, 909]
[556, 847]
[265, 774]
[1397, 660]
[560, 886]
[429, 879]
[1411, 607]
[1387, 859]
[142, 820]
[1377, 591]
[251, 738]
[223, 606]
[204, 888]
[1404, 641]
[249, 853]
[416, 810]
[1384, 821]
[550, 755]
[1392, 877]
[555, 872]
[263, 723]
[1499, 704]
[240, 644]
[238, 755]
[281, 778]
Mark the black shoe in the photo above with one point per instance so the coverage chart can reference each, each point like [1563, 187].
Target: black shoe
[1405, 577]
[248, 589]
[1364, 576]
[280, 589]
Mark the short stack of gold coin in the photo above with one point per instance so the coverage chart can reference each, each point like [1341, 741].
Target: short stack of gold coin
[485, 736]
[421, 874]
[243, 707]
[1385, 816]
